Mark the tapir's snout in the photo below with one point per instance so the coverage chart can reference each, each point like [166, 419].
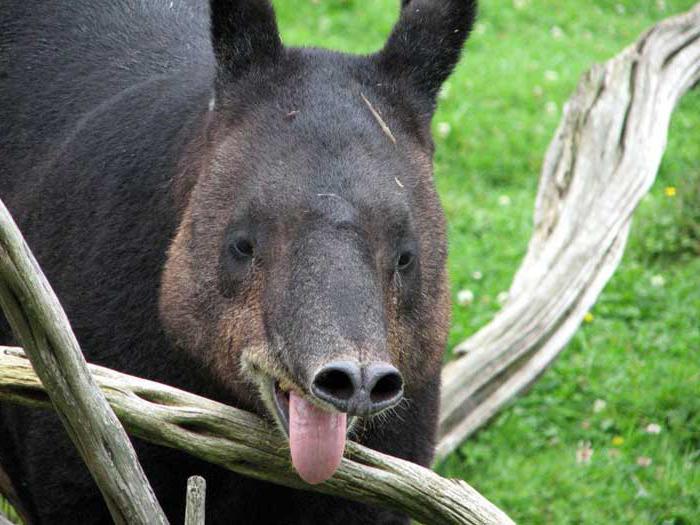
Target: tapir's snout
[328, 334]
[358, 389]
[344, 389]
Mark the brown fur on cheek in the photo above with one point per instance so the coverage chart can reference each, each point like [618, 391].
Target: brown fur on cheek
[200, 321]
[417, 348]
[417, 345]
[240, 330]
[175, 309]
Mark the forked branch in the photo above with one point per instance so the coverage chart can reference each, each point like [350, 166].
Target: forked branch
[40, 324]
[241, 442]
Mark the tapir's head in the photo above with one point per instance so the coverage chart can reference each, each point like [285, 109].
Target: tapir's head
[308, 271]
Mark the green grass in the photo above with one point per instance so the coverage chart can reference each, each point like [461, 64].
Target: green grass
[641, 352]
[8, 511]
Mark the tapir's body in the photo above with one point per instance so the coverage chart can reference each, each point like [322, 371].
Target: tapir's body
[110, 116]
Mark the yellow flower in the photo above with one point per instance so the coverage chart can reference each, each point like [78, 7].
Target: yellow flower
[670, 191]
[588, 318]
[618, 440]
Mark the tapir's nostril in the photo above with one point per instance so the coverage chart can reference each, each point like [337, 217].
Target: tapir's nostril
[337, 381]
[356, 389]
[384, 383]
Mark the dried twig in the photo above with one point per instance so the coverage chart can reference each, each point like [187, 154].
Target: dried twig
[196, 501]
[379, 119]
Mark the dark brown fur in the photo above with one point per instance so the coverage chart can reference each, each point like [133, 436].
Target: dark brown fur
[180, 137]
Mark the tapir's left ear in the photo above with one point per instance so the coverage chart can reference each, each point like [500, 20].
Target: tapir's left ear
[243, 33]
[426, 43]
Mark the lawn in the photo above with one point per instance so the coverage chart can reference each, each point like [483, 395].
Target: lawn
[611, 433]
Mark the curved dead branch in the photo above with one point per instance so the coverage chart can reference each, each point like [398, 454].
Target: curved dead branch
[241, 442]
[603, 160]
[40, 324]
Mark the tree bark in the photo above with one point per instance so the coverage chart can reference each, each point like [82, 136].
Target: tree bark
[603, 160]
[243, 443]
[196, 501]
[40, 324]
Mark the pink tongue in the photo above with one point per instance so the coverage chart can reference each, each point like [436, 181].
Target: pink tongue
[317, 439]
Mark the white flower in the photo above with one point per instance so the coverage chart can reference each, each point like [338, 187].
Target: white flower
[324, 24]
[551, 75]
[653, 428]
[444, 91]
[584, 452]
[644, 461]
[557, 32]
[520, 4]
[502, 298]
[443, 129]
[504, 200]
[658, 281]
[620, 9]
[551, 108]
[477, 275]
[465, 297]
[599, 405]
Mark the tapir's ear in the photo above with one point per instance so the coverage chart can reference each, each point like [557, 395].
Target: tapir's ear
[426, 42]
[243, 33]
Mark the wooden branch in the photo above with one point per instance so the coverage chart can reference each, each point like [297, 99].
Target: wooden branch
[241, 442]
[196, 501]
[40, 324]
[602, 161]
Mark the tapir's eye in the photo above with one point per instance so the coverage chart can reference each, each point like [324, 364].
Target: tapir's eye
[241, 248]
[405, 260]
[236, 256]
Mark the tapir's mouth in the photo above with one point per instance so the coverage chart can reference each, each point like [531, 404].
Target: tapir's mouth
[280, 397]
[316, 435]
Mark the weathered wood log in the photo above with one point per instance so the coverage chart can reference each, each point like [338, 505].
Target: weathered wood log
[4, 520]
[196, 501]
[240, 441]
[40, 324]
[602, 161]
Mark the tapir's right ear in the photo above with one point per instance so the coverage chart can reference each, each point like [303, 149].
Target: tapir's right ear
[243, 33]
